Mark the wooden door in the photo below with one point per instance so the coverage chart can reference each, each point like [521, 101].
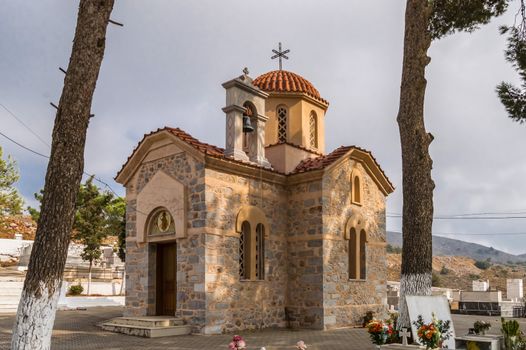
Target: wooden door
[166, 279]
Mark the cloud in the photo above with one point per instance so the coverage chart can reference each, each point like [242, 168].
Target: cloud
[166, 66]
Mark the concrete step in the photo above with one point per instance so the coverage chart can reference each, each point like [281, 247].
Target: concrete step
[148, 321]
[147, 332]
[10, 292]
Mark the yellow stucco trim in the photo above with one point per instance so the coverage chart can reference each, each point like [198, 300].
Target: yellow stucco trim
[254, 216]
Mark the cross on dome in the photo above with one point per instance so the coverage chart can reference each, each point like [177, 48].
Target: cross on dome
[280, 54]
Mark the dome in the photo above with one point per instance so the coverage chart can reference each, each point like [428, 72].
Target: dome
[285, 81]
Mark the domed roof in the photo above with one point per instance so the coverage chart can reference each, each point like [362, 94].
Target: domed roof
[285, 81]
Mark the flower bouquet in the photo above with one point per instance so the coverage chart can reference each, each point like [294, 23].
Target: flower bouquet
[481, 327]
[432, 334]
[237, 343]
[379, 331]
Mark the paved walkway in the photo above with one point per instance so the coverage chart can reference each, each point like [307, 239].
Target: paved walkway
[77, 330]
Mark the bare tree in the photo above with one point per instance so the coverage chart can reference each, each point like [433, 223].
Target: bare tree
[38, 304]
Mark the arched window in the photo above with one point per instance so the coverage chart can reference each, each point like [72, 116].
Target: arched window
[353, 254]
[363, 264]
[357, 254]
[282, 114]
[252, 226]
[161, 222]
[313, 130]
[244, 251]
[250, 112]
[356, 189]
[260, 252]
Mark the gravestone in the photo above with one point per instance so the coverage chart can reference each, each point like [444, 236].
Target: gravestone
[427, 306]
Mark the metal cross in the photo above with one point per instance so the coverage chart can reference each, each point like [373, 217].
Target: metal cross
[280, 54]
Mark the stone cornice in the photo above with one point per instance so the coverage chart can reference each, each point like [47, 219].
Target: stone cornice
[244, 86]
[244, 169]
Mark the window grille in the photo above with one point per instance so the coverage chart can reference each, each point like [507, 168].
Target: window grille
[260, 252]
[243, 254]
[313, 123]
[282, 124]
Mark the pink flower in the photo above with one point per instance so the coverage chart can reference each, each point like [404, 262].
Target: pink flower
[237, 338]
[232, 346]
[301, 345]
[241, 344]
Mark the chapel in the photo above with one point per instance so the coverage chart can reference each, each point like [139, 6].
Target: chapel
[269, 231]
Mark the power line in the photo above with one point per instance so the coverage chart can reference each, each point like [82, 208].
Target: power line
[24, 147]
[25, 125]
[47, 157]
[519, 211]
[440, 234]
[467, 218]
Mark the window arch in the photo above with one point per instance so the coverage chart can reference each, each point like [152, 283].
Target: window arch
[356, 188]
[244, 251]
[363, 255]
[313, 130]
[282, 115]
[252, 226]
[248, 138]
[160, 222]
[260, 252]
[353, 254]
[356, 233]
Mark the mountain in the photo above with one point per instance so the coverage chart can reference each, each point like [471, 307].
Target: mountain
[443, 246]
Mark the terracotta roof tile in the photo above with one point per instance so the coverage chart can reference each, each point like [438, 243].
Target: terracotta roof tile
[306, 165]
[192, 141]
[285, 81]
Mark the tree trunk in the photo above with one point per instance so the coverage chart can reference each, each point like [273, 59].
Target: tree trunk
[89, 276]
[416, 163]
[38, 304]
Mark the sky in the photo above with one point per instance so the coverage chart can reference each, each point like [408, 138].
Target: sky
[166, 65]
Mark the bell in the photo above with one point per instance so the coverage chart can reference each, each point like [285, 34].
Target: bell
[247, 126]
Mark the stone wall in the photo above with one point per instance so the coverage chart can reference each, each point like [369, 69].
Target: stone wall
[233, 304]
[305, 248]
[141, 257]
[346, 301]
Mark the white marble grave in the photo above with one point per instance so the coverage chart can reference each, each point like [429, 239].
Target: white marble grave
[427, 306]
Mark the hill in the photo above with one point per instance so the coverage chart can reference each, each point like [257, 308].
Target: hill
[459, 272]
[443, 246]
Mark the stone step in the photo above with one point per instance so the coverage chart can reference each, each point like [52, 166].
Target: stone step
[147, 332]
[148, 321]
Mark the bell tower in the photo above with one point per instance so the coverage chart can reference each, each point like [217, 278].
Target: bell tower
[245, 120]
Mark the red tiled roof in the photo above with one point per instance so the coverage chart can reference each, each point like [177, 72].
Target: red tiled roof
[192, 141]
[305, 165]
[326, 160]
[321, 162]
[285, 81]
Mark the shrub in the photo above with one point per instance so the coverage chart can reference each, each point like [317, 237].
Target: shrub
[483, 264]
[435, 280]
[444, 270]
[394, 249]
[76, 290]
